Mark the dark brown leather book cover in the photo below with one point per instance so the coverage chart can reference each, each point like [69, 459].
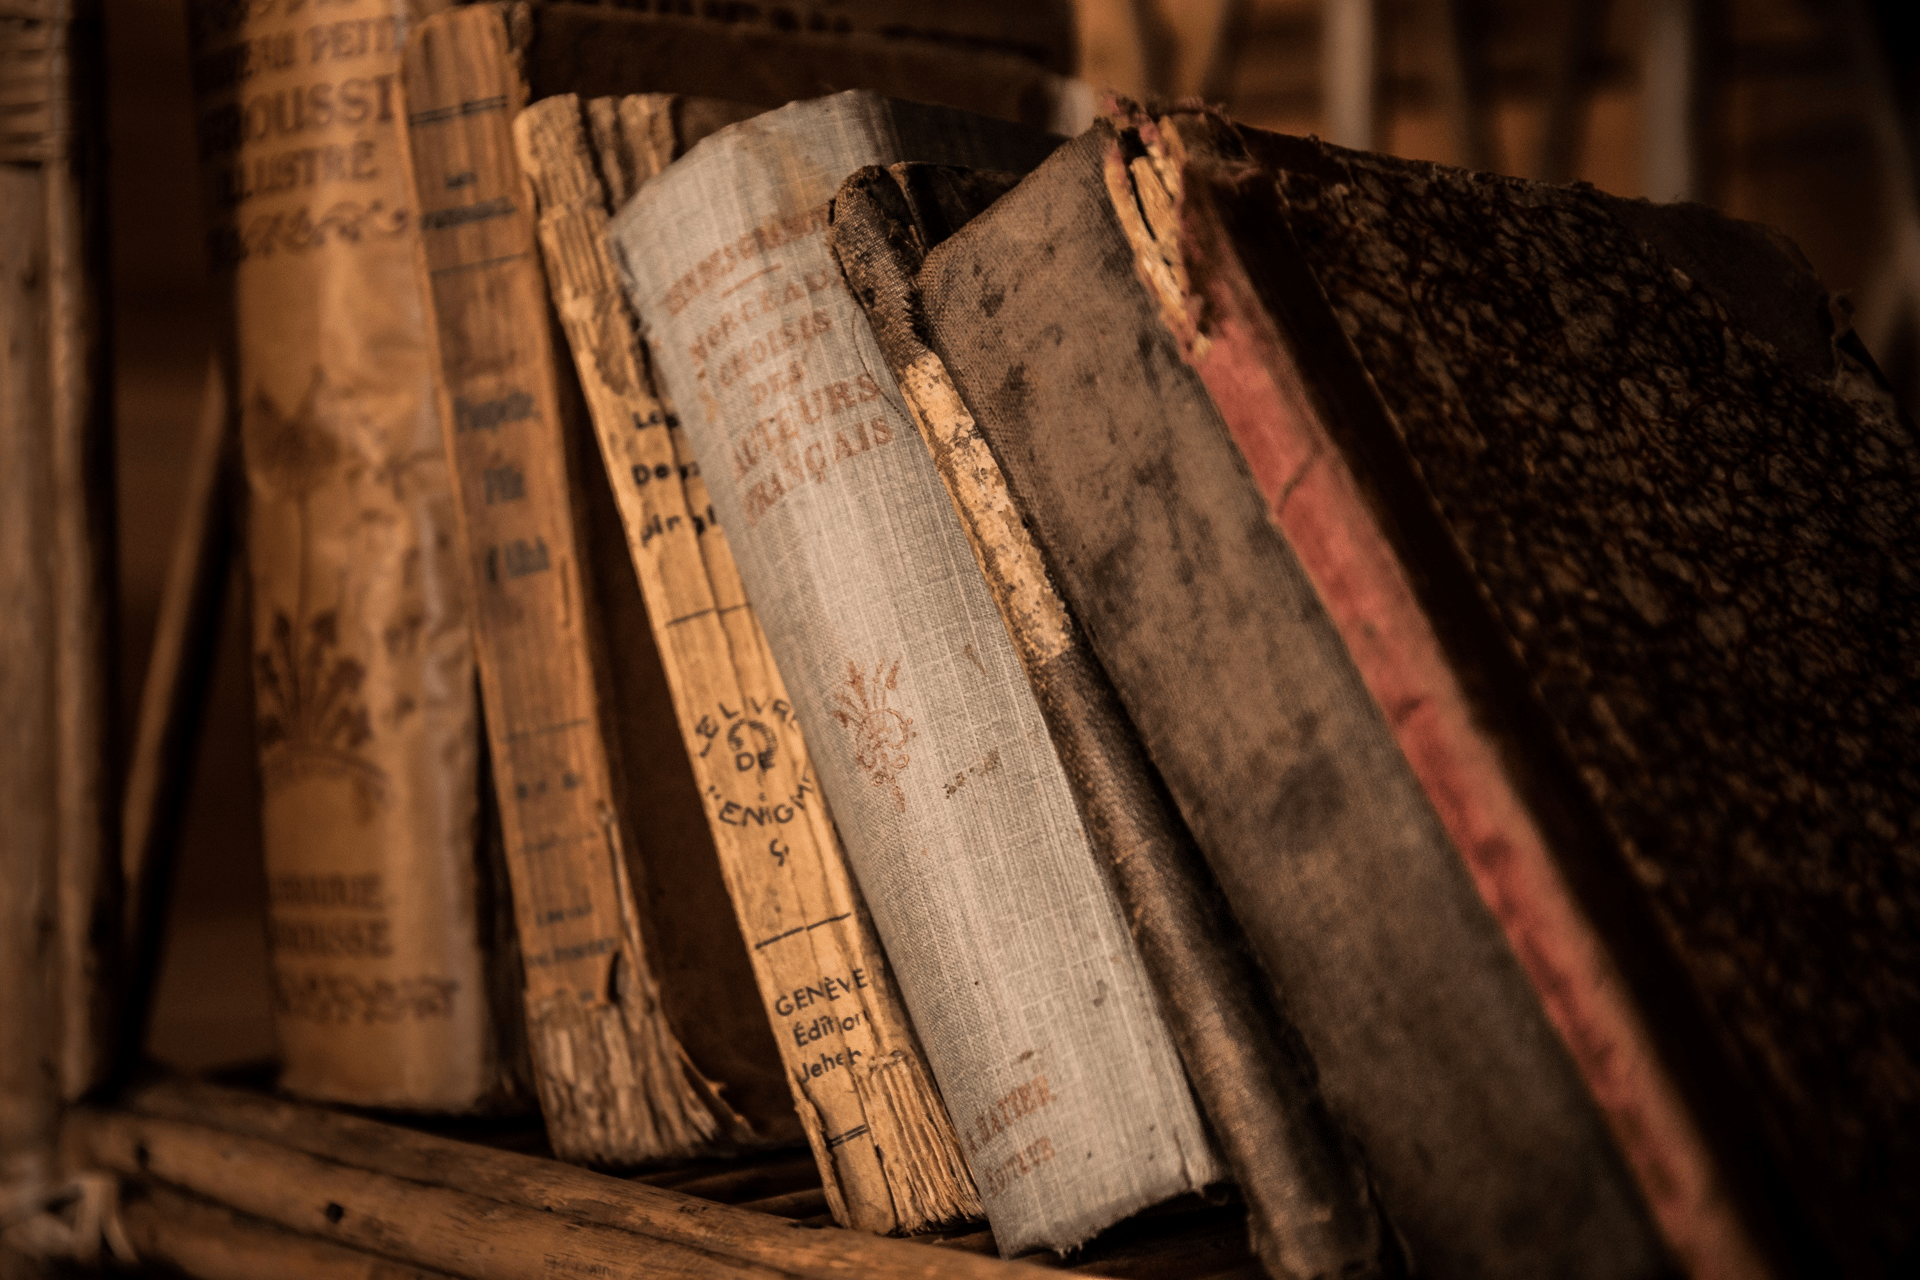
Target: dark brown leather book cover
[1657, 517]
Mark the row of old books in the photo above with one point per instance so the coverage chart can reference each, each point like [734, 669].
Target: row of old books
[1383, 687]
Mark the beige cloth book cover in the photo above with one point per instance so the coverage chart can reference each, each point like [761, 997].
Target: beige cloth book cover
[1007, 940]
[367, 717]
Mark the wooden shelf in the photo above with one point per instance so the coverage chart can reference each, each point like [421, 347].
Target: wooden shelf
[225, 1182]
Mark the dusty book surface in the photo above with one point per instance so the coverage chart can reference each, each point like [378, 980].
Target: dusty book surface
[362, 663]
[887, 1151]
[1007, 941]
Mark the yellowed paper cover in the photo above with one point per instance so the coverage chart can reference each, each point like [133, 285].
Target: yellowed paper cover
[362, 663]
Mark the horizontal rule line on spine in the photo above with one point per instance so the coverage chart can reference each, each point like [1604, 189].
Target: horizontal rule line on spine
[521, 735]
[848, 1136]
[701, 613]
[437, 115]
[460, 215]
[805, 928]
[475, 266]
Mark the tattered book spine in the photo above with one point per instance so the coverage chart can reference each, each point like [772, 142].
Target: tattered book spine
[615, 1083]
[1009, 946]
[888, 1156]
[362, 665]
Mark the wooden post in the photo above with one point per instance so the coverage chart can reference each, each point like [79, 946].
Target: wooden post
[173, 701]
[27, 773]
[1349, 72]
[1670, 92]
[1582, 22]
[1463, 82]
[287, 1163]
[86, 880]
[58, 884]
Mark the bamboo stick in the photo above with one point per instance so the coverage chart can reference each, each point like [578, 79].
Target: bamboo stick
[560, 1191]
[730, 1186]
[27, 769]
[408, 1221]
[86, 879]
[57, 964]
[173, 702]
[212, 1242]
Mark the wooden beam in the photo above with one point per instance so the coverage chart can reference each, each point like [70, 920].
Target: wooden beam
[173, 702]
[229, 1146]
[212, 1242]
[1569, 84]
[1670, 89]
[1350, 72]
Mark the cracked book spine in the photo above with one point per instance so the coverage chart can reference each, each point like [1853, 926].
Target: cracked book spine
[646, 1035]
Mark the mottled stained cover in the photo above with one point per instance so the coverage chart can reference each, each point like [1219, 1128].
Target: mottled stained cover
[1699, 544]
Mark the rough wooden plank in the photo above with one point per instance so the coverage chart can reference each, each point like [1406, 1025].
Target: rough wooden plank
[81, 540]
[27, 767]
[559, 1190]
[410, 1221]
[212, 1242]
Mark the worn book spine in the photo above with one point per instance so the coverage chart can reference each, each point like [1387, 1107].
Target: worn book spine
[889, 1158]
[362, 664]
[615, 1084]
[1310, 1205]
[1009, 945]
[1234, 288]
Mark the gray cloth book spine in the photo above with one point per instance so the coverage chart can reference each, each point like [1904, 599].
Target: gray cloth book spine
[1008, 941]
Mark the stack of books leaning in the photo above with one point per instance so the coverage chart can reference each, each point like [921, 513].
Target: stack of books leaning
[810, 589]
